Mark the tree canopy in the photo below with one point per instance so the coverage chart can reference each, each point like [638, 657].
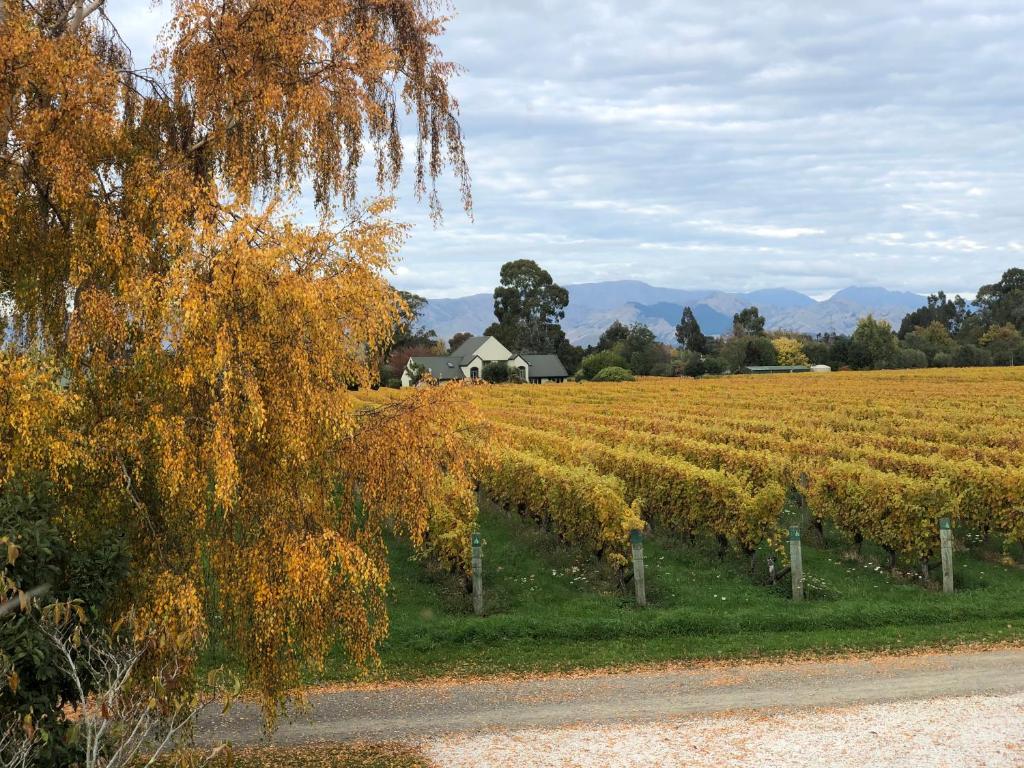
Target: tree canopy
[183, 349]
[529, 306]
[748, 322]
[689, 335]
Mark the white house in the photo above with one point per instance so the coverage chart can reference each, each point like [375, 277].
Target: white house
[467, 362]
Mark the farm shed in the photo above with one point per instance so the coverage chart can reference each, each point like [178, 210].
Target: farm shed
[777, 369]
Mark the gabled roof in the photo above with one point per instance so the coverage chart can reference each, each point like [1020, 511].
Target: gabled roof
[545, 366]
[469, 347]
[441, 368]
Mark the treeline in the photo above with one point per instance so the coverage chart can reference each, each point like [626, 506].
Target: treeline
[529, 307]
[943, 333]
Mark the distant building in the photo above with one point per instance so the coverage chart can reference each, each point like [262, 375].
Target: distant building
[821, 369]
[777, 369]
[467, 362]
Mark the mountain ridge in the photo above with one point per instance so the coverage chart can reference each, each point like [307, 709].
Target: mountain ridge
[594, 306]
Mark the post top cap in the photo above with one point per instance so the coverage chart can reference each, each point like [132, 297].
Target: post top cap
[476, 539]
[794, 533]
[944, 524]
[636, 536]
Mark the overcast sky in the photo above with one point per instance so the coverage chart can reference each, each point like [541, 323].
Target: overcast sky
[733, 145]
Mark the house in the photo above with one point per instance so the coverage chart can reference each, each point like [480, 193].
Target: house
[467, 362]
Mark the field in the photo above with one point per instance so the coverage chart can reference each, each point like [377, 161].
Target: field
[715, 470]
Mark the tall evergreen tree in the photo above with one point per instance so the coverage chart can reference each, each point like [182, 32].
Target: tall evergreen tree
[689, 335]
[529, 306]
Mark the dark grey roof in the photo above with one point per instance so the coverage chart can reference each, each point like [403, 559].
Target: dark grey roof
[545, 366]
[441, 368]
[468, 348]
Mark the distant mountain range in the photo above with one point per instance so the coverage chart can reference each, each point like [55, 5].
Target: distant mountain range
[594, 306]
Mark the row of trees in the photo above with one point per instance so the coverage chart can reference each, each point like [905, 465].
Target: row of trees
[944, 332]
[529, 307]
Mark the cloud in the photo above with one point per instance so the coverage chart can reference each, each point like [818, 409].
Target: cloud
[730, 144]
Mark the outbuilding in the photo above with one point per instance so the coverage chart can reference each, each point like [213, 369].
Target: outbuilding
[777, 369]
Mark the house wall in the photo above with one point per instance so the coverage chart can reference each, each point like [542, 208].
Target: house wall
[478, 363]
[491, 350]
[516, 363]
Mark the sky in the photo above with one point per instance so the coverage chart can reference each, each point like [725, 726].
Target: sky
[726, 145]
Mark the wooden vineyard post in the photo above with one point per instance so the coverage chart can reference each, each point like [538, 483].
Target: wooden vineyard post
[636, 538]
[796, 562]
[478, 575]
[946, 539]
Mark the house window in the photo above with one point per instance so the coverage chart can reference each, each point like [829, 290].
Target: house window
[474, 372]
[522, 373]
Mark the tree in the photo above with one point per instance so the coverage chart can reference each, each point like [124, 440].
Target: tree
[932, 340]
[409, 338]
[748, 322]
[873, 344]
[642, 350]
[193, 344]
[689, 335]
[1003, 302]
[616, 333]
[741, 351]
[596, 361]
[950, 314]
[529, 306]
[458, 340]
[1004, 342]
[789, 351]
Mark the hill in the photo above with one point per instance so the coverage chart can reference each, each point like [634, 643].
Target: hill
[594, 306]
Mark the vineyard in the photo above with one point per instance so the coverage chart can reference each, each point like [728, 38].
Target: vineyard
[880, 457]
[714, 471]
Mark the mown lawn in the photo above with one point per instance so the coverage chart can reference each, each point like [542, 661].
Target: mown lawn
[549, 608]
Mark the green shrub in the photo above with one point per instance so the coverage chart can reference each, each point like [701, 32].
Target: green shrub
[910, 358]
[38, 552]
[613, 373]
[694, 367]
[592, 364]
[496, 372]
[714, 365]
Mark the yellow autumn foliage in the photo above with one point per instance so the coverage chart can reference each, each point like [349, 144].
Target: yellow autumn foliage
[185, 351]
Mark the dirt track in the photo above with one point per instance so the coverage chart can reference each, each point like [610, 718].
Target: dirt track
[420, 711]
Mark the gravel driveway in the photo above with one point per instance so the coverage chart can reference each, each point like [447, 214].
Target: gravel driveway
[472, 713]
[939, 733]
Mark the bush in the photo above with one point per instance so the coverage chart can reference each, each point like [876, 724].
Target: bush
[662, 369]
[592, 364]
[37, 552]
[496, 372]
[971, 355]
[613, 373]
[714, 365]
[942, 360]
[910, 358]
[694, 367]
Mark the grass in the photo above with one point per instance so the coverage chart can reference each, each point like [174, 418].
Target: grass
[550, 609]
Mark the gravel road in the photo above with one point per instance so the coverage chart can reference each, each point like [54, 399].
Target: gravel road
[422, 712]
[958, 732]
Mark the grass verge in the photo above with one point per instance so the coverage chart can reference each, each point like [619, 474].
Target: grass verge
[548, 609]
